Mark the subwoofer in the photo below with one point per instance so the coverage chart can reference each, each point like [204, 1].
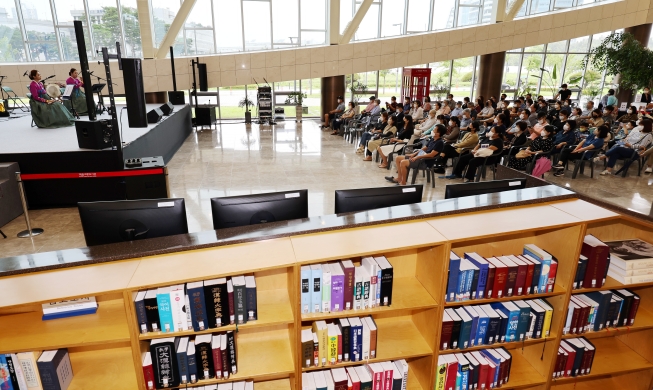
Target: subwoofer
[167, 108]
[132, 72]
[94, 134]
[154, 116]
[177, 98]
[205, 116]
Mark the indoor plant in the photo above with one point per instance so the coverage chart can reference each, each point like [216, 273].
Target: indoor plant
[245, 102]
[296, 98]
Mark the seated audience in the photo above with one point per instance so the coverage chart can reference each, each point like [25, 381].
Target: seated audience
[587, 112]
[576, 113]
[541, 144]
[458, 111]
[596, 120]
[427, 104]
[631, 115]
[334, 113]
[565, 137]
[487, 111]
[406, 104]
[609, 115]
[609, 99]
[416, 111]
[393, 100]
[594, 141]
[519, 139]
[376, 129]
[646, 96]
[412, 161]
[453, 130]
[438, 108]
[425, 124]
[470, 160]
[376, 141]
[466, 119]
[636, 142]
[406, 136]
[541, 122]
[451, 102]
[469, 140]
[338, 124]
[370, 105]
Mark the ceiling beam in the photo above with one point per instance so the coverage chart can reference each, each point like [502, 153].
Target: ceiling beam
[512, 12]
[175, 27]
[351, 28]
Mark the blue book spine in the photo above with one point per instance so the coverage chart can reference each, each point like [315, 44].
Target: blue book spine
[464, 377]
[359, 342]
[472, 333]
[544, 275]
[524, 320]
[192, 366]
[513, 324]
[468, 281]
[183, 366]
[53, 316]
[198, 308]
[165, 312]
[481, 331]
[460, 295]
[353, 343]
[459, 380]
[483, 269]
[316, 296]
[378, 287]
[5, 380]
[452, 284]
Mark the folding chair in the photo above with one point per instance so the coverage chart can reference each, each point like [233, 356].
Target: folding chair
[15, 99]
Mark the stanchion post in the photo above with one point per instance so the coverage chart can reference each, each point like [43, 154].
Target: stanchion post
[29, 232]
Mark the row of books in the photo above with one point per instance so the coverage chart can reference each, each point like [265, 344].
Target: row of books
[390, 375]
[593, 264]
[484, 369]
[197, 306]
[334, 287]
[601, 309]
[631, 261]
[575, 358]
[242, 385]
[499, 322]
[476, 277]
[346, 339]
[173, 361]
[50, 370]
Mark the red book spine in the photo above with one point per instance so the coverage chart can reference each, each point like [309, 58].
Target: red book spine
[387, 382]
[597, 259]
[217, 362]
[570, 362]
[148, 374]
[502, 373]
[633, 311]
[590, 360]
[349, 288]
[552, 276]
[556, 369]
[500, 279]
[529, 277]
[511, 281]
[482, 376]
[445, 339]
[489, 285]
[232, 308]
[520, 282]
[491, 372]
[378, 380]
[452, 370]
[563, 365]
[574, 320]
[339, 358]
[356, 386]
[584, 364]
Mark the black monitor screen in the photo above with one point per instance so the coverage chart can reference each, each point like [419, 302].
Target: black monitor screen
[484, 187]
[232, 211]
[127, 220]
[376, 198]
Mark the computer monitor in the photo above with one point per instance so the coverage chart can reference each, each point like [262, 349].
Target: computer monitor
[232, 211]
[128, 220]
[483, 187]
[376, 198]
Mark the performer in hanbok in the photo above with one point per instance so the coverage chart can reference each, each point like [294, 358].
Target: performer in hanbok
[46, 112]
[78, 97]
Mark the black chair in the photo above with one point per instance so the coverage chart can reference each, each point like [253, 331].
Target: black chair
[579, 165]
[430, 175]
[396, 152]
[481, 171]
[627, 162]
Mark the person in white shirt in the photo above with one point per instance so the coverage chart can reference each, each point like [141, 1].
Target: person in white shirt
[487, 111]
[458, 111]
[638, 140]
[416, 110]
[426, 124]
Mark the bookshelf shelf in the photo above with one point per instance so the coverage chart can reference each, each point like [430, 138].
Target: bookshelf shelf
[407, 294]
[109, 367]
[557, 290]
[108, 325]
[612, 284]
[279, 384]
[273, 309]
[397, 338]
[611, 357]
[643, 321]
[510, 345]
[522, 374]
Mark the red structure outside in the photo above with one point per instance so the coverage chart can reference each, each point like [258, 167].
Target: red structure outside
[415, 83]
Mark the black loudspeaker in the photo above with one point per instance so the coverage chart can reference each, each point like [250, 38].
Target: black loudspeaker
[204, 80]
[204, 116]
[132, 72]
[167, 108]
[154, 116]
[177, 98]
[94, 134]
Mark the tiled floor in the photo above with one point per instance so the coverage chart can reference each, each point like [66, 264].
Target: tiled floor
[238, 159]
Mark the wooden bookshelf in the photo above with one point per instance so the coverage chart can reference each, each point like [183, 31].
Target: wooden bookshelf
[105, 347]
[397, 338]
[509, 345]
[107, 326]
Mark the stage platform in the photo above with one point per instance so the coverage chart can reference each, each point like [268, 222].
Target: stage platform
[55, 151]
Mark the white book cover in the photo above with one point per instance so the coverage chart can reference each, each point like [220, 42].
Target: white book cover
[402, 367]
[326, 288]
[69, 305]
[367, 286]
[22, 383]
[373, 269]
[631, 253]
[358, 288]
[366, 339]
[309, 383]
[330, 384]
[629, 272]
[27, 362]
[178, 308]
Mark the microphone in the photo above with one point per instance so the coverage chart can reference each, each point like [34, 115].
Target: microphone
[50, 77]
[25, 74]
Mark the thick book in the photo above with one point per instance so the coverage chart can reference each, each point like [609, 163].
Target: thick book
[580, 272]
[350, 283]
[545, 260]
[594, 310]
[141, 315]
[474, 371]
[337, 287]
[365, 377]
[252, 305]
[232, 305]
[441, 372]
[603, 299]
[224, 352]
[537, 272]
[318, 381]
[489, 285]
[387, 275]
[354, 378]
[305, 288]
[588, 359]
[402, 367]
[481, 329]
[548, 316]
[445, 334]
[182, 361]
[365, 345]
[503, 328]
[571, 356]
[493, 327]
[597, 254]
[631, 254]
[55, 369]
[148, 373]
[471, 280]
[463, 370]
[537, 325]
[524, 319]
[316, 288]
[530, 271]
[345, 330]
[197, 305]
[10, 371]
[326, 288]
[579, 347]
[165, 309]
[483, 268]
[508, 362]
[373, 269]
[307, 348]
[471, 311]
[178, 307]
[455, 330]
[240, 299]
[511, 280]
[452, 283]
[452, 372]
[164, 362]
[231, 347]
[332, 346]
[522, 271]
[152, 310]
[217, 302]
[69, 308]
[388, 374]
[191, 362]
[216, 349]
[321, 330]
[465, 328]
[552, 276]
[204, 356]
[500, 278]
[633, 309]
[27, 361]
[627, 297]
[513, 314]
[339, 376]
[376, 372]
[358, 288]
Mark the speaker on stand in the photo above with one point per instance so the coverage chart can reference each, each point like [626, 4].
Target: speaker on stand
[132, 72]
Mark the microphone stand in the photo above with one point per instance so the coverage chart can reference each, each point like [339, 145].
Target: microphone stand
[101, 108]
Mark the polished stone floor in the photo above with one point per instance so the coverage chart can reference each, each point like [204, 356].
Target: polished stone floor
[237, 159]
